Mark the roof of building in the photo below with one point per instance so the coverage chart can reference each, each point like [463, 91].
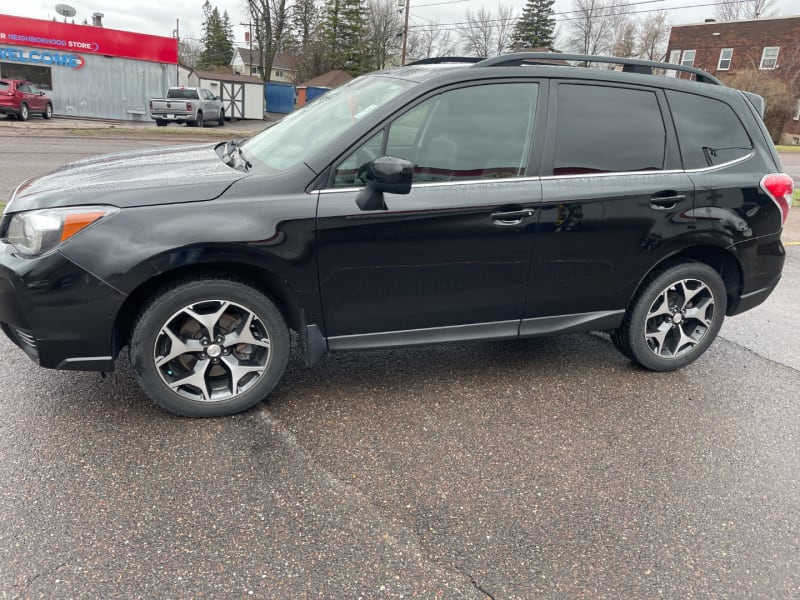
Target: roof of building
[331, 79]
[222, 76]
[281, 61]
[713, 22]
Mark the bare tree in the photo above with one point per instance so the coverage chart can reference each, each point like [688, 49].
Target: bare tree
[383, 26]
[504, 28]
[625, 40]
[477, 32]
[483, 35]
[593, 28]
[735, 10]
[778, 99]
[189, 51]
[429, 41]
[653, 36]
[271, 20]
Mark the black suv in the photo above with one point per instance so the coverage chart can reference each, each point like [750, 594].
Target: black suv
[431, 203]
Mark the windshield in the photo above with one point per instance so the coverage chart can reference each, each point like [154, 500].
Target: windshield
[291, 140]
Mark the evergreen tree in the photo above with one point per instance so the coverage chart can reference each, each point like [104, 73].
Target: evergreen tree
[344, 32]
[217, 37]
[536, 25]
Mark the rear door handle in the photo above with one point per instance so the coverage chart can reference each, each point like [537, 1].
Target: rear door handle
[512, 217]
[666, 202]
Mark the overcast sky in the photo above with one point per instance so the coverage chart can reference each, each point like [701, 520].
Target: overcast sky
[158, 17]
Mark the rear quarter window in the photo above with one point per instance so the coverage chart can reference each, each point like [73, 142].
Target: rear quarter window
[709, 132]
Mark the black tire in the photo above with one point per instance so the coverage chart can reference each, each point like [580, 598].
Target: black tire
[200, 122]
[161, 123]
[23, 112]
[221, 120]
[674, 317]
[250, 347]
[48, 111]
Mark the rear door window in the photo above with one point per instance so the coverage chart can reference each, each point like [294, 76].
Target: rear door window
[709, 132]
[604, 129]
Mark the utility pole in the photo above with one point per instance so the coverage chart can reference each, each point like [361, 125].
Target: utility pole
[178, 42]
[405, 34]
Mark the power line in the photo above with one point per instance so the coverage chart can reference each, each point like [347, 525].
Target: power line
[454, 26]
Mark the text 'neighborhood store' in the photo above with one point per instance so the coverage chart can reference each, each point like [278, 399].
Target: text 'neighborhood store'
[88, 71]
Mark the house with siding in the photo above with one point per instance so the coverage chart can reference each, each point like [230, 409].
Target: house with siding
[771, 46]
[246, 62]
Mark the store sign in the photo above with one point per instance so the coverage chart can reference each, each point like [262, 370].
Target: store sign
[68, 38]
[42, 57]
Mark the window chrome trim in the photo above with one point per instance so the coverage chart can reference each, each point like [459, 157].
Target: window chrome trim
[471, 182]
[431, 184]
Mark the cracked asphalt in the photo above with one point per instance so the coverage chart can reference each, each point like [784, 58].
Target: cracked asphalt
[549, 468]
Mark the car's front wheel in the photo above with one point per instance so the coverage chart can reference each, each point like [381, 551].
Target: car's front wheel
[674, 317]
[209, 347]
[48, 111]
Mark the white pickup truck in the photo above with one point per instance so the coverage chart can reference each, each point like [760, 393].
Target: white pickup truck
[191, 105]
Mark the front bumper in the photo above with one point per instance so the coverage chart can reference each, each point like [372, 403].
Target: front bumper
[60, 315]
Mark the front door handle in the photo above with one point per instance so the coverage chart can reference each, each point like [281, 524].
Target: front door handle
[512, 217]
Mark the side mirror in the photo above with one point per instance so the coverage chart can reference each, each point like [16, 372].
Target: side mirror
[384, 174]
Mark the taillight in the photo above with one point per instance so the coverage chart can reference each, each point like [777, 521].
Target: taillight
[779, 187]
[188, 106]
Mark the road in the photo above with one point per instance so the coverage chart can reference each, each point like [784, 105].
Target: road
[535, 469]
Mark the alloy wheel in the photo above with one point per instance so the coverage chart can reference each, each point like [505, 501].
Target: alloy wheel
[212, 351]
[679, 318]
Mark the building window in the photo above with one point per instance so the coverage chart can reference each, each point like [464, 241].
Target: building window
[40, 76]
[797, 111]
[688, 58]
[725, 56]
[769, 58]
[675, 57]
[278, 72]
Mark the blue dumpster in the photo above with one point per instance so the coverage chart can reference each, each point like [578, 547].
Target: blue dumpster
[280, 97]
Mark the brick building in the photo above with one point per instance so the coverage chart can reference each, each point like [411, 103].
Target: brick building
[771, 46]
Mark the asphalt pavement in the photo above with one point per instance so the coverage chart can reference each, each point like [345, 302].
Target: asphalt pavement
[546, 468]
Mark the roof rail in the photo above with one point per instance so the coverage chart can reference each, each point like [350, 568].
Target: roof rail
[634, 65]
[439, 60]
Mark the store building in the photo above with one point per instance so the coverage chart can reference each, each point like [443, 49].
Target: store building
[89, 71]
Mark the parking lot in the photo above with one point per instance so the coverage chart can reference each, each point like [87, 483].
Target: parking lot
[546, 468]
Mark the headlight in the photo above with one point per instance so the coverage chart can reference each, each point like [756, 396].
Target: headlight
[37, 232]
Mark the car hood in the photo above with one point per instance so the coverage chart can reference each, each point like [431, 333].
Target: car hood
[137, 178]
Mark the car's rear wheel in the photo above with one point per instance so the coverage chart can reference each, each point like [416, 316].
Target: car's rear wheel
[161, 123]
[674, 317]
[23, 112]
[48, 111]
[199, 122]
[209, 347]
